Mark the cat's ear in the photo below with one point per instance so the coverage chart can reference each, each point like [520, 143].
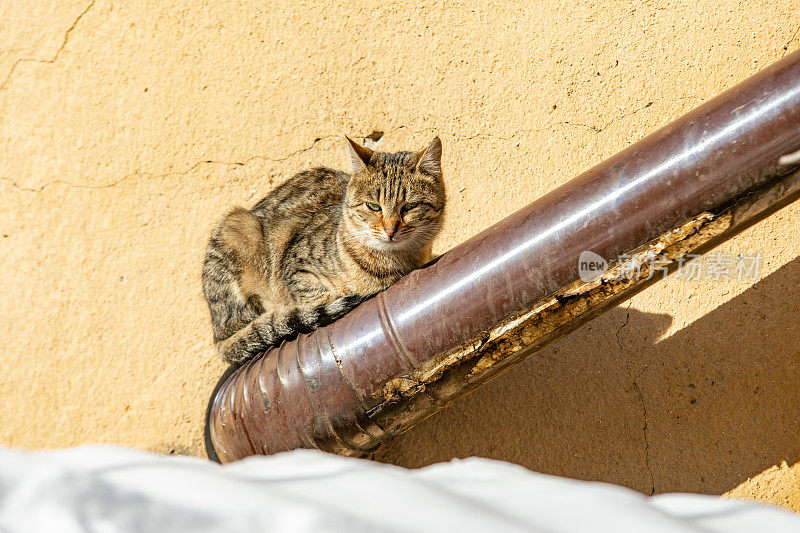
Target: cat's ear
[359, 155]
[429, 161]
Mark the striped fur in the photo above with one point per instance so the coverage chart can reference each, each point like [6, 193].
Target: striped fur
[318, 245]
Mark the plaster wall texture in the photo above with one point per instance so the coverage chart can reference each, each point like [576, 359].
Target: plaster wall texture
[128, 128]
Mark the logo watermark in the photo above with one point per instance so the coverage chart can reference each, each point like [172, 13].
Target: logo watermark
[691, 267]
[591, 266]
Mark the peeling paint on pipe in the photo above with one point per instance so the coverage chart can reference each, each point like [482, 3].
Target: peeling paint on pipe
[443, 330]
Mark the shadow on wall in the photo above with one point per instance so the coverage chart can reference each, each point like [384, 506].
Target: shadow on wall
[700, 411]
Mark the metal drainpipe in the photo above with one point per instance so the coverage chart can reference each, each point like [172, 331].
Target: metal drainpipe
[443, 330]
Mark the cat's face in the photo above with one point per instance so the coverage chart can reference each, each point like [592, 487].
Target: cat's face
[395, 202]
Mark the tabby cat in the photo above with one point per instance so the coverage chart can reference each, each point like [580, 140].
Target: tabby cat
[318, 245]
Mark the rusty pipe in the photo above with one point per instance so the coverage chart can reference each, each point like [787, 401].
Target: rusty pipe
[445, 329]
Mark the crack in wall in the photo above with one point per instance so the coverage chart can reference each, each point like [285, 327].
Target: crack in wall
[642, 405]
[193, 167]
[53, 59]
[184, 172]
[309, 147]
[68, 184]
[627, 319]
[598, 129]
[165, 174]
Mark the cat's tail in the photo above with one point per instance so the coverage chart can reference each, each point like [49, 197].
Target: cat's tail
[273, 327]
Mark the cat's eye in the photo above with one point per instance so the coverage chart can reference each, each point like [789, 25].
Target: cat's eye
[409, 206]
[373, 207]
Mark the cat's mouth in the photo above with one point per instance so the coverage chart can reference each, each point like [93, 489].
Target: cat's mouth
[389, 243]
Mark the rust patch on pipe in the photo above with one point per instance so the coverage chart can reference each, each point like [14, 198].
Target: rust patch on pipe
[520, 331]
[574, 300]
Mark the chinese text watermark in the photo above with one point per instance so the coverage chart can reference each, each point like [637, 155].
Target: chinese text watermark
[690, 267]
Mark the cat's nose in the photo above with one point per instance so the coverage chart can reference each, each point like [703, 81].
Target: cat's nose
[390, 227]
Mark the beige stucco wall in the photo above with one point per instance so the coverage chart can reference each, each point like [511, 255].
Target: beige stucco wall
[127, 128]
